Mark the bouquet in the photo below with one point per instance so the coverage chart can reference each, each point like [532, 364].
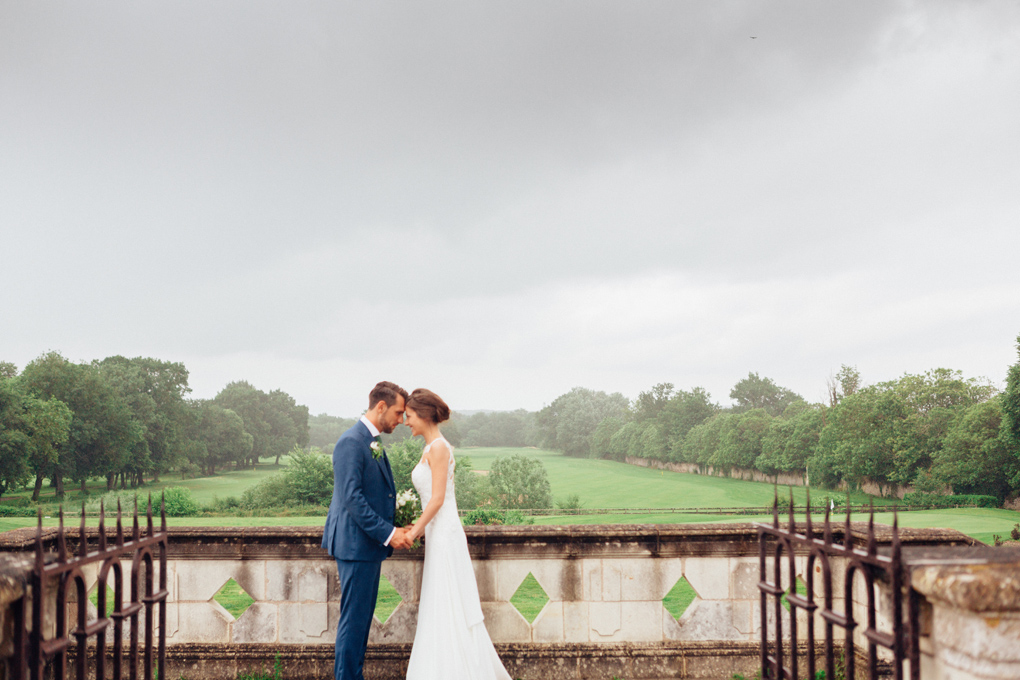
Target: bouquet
[408, 508]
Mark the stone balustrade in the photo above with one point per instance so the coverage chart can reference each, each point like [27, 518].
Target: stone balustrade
[604, 616]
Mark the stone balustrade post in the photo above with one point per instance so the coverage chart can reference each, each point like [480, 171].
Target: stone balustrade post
[972, 629]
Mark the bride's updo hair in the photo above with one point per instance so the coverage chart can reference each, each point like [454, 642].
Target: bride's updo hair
[428, 405]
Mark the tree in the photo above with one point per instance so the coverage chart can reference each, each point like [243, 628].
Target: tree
[324, 430]
[974, 458]
[1009, 432]
[791, 440]
[702, 442]
[603, 435]
[568, 422]
[103, 432]
[520, 482]
[155, 391]
[753, 392]
[846, 382]
[740, 443]
[275, 421]
[30, 432]
[651, 403]
[216, 437]
[681, 414]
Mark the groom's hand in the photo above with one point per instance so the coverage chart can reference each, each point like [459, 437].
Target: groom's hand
[401, 540]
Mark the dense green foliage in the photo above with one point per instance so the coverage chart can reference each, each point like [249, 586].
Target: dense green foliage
[127, 421]
[937, 431]
[178, 502]
[520, 482]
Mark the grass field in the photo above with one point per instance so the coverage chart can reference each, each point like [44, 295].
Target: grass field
[204, 489]
[600, 484]
[609, 484]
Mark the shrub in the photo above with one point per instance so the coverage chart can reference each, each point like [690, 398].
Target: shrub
[228, 504]
[13, 511]
[931, 500]
[271, 492]
[571, 502]
[310, 477]
[179, 502]
[491, 516]
[126, 498]
[189, 470]
[520, 482]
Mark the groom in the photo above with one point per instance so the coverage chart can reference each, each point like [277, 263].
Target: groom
[359, 531]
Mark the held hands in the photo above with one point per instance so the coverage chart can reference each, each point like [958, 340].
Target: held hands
[401, 539]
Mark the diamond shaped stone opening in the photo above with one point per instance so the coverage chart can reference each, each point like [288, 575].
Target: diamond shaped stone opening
[386, 600]
[233, 598]
[679, 598]
[801, 590]
[110, 598]
[529, 599]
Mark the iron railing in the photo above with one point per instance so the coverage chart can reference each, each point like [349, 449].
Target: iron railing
[42, 646]
[873, 565]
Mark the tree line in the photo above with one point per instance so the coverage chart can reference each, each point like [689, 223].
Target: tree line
[936, 431]
[125, 420]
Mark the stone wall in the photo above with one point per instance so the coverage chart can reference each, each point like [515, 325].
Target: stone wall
[604, 616]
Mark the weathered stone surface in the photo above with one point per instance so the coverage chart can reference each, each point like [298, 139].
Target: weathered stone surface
[199, 582]
[400, 627]
[487, 577]
[505, 623]
[259, 623]
[641, 621]
[591, 579]
[206, 622]
[744, 577]
[548, 626]
[575, 622]
[509, 576]
[605, 619]
[405, 577]
[712, 620]
[972, 587]
[710, 577]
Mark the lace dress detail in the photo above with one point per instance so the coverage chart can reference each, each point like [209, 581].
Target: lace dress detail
[450, 641]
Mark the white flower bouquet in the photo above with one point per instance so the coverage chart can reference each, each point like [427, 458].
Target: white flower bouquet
[408, 507]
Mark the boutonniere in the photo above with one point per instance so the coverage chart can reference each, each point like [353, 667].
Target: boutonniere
[377, 449]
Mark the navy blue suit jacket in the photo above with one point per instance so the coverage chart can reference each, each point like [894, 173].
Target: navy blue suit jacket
[361, 512]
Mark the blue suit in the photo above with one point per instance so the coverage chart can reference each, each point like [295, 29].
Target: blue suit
[359, 522]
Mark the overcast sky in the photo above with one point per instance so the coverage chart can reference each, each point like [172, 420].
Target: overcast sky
[504, 200]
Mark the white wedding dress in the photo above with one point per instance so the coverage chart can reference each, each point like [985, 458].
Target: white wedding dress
[451, 642]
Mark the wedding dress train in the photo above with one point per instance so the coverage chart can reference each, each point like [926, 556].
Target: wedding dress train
[450, 642]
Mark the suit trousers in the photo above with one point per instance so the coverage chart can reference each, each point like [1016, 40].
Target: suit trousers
[359, 586]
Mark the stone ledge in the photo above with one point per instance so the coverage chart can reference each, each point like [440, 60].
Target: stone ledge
[501, 542]
[990, 586]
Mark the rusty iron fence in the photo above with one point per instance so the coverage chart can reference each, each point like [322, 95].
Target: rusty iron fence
[42, 639]
[780, 659]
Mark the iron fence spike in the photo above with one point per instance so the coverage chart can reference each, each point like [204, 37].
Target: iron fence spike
[83, 547]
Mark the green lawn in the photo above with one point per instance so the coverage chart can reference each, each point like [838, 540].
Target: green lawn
[205, 489]
[609, 484]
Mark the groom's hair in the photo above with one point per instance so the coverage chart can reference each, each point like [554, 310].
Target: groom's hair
[386, 391]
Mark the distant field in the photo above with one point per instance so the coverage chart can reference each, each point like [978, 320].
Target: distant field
[205, 489]
[609, 484]
[600, 484]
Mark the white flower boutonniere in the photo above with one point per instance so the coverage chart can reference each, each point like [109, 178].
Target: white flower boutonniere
[377, 449]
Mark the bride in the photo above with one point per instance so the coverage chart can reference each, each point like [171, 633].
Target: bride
[451, 642]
